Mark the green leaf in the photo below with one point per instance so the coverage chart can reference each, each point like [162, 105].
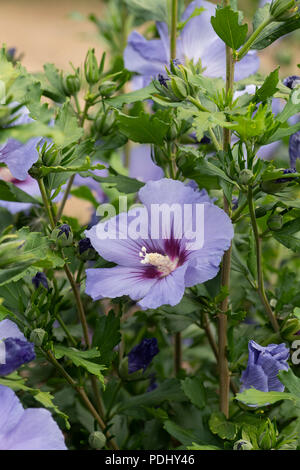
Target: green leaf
[10, 192]
[219, 425]
[258, 398]
[81, 359]
[67, 124]
[145, 128]
[195, 391]
[286, 236]
[227, 26]
[169, 391]
[122, 183]
[156, 10]
[107, 335]
[184, 436]
[289, 379]
[84, 192]
[274, 30]
[202, 447]
[268, 88]
[132, 97]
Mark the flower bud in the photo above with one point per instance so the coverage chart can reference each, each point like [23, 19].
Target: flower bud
[265, 441]
[242, 445]
[62, 235]
[272, 186]
[245, 176]
[107, 88]
[179, 88]
[104, 122]
[91, 69]
[38, 336]
[282, 10]
[40, 279]
[260, 212]
[71, 84]
[290, 329]
[86, 250]
[97, 440]
[275, 222]
[292, 82]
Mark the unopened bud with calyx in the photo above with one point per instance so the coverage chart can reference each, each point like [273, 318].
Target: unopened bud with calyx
[38, 336]
[107, 88]
[282, 10]
[71, 84]
[62, 235]
[49, 154]
[97, 440]
[92, 70]
[104, 122]
[246, 176]
[86, 252]
[242, 444]
[290, 329]
[275, 222]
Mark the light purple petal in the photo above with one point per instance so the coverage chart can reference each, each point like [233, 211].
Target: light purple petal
[168, 191]
[168, 290]
[9, 329]
[145, 57]
[118, 281]
[142, 166]
[19, 157]
[30, 429]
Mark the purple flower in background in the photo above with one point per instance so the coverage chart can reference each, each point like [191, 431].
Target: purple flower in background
[30, 429]
[19, 157]
[29, 186]
[40, 279]
[155, 269]
[142, 166]
[142, 354]
[197, 41]
[93, 184]
[264, 363]
[292, 81]
[17, 350]
[294, 149]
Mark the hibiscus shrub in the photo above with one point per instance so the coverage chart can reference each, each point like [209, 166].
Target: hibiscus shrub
[166, 315]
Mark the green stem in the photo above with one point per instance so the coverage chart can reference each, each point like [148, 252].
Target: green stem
[197, 103]
[224, 375]
[65, 197]
[173, 44]
[173, 38]
[260, 278]
[76, 293]
[46, 202]
[65, 328]
[80, 390]
[214, 346]
[243, 51]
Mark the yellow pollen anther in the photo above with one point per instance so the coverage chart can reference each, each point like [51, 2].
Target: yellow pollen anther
[162, 262]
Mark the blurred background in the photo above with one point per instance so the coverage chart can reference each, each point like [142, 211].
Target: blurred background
[60, 31]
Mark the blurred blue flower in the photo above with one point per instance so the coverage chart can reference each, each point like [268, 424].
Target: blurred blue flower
[18, 350]
[30, 429]
[264, 363]
[197, 41]
[294, 149]
[142, 354]
[19, 157]
[40, 279]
